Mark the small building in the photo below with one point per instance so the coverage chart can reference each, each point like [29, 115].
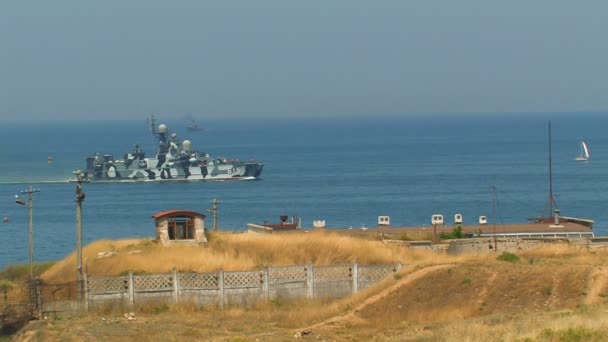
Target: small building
[179, 226]
[318, 223]
[437, 219]
[458, 219]
[483, 220]
[384, 220]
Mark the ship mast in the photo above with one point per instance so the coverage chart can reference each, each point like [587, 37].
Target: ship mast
[551, 199]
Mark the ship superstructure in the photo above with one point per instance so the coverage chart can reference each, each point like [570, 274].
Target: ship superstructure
[174, 160]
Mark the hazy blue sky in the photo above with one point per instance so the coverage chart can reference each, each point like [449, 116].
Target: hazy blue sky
[125, 59]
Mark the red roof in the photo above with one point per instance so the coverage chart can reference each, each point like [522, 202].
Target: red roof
[177, 212]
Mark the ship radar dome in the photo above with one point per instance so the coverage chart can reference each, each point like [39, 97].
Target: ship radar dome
[162, 128]
[186, 145]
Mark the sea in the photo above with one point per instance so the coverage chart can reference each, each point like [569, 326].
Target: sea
[346, 171]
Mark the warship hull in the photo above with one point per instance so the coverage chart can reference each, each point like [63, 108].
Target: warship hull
[174, 161]
[148, 170]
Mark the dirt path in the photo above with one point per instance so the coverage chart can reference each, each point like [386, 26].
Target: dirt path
[598, 280]
[481, 297]
[351, 317]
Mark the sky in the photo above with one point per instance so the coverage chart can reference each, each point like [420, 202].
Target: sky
[286, 59]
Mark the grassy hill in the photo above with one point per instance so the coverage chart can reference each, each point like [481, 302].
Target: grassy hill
[552, 294]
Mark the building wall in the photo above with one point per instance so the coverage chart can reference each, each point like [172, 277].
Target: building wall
[162, 231]
[199, 230]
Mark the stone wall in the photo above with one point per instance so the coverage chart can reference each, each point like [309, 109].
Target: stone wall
[512, 245]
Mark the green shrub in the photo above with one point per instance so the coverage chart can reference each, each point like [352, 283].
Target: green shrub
[572, 334]
[455, 234]
[21, 272]
[508, 257]
[160, 309]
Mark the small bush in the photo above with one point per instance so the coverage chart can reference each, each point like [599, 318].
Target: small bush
[466, 280]
[6, 285]
[572, 334]
[404, 237]
[278, 302]
[135, 272]
[455, 234]
[160, 309]
[22, 272]
[508, 257]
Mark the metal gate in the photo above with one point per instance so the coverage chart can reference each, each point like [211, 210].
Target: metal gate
[19, 303]
[58, 299]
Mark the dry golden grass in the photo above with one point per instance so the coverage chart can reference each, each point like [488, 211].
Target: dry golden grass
[236, 252]
[543, 297]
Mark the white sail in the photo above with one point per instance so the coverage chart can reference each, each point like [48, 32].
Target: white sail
[584, 152]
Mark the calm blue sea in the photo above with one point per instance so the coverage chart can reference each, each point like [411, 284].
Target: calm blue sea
[344, 171]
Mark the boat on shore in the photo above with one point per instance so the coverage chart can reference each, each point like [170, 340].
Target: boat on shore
[175, 160]
[554, 213]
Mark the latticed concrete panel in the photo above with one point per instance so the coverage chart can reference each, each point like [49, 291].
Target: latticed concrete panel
[199, 280]
[243, 279]
[153, 282]
[333, 273]
[373, 273]
[287, 274]
[108, 285]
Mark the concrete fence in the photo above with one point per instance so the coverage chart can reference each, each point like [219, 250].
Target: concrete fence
[234, 288]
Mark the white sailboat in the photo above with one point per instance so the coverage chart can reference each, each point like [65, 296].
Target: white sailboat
[584, 152]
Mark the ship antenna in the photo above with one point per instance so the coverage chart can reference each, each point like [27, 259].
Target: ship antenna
[153, 130]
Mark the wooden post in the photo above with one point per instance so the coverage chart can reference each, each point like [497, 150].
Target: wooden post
[221, 283]
[39, 302]
[86, 292]
[175, 286]
[355, 278]
[131, 291]
[310, 280]
[266, 285]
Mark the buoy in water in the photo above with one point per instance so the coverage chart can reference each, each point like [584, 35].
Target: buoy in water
[5, 219]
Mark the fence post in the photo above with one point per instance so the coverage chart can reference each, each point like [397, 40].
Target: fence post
[175, 286]
[310, 279]
[355, 278]
[86, 292]
[131, 291]
[266, 285]
[221, 281]
[39, 303]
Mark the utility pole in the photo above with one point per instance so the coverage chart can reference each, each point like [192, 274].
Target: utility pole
[30, 204]
[215, 203]
[79, 199]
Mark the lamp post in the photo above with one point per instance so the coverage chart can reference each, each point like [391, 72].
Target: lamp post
[79, 199]
[30, 191]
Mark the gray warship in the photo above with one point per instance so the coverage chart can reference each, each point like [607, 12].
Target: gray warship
[175, 160]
